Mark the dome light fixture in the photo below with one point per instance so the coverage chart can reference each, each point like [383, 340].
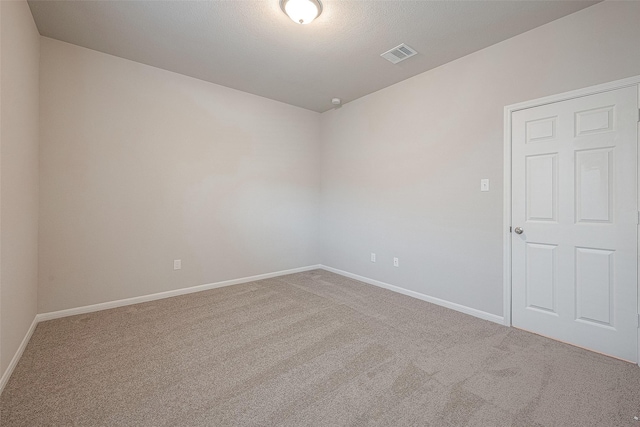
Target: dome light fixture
[301, 11]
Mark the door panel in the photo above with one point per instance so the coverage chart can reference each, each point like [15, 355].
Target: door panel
[594, 285]
[541, 276]
[594, 185]
[542, 187]
[574, 183]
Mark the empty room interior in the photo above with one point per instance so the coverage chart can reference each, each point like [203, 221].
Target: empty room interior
[319, 213]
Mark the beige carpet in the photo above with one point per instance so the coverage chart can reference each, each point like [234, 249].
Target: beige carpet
[309, 349]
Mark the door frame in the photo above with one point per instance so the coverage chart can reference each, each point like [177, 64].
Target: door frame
[507, 224]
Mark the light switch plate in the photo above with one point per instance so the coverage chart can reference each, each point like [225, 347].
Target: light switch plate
[484, 184]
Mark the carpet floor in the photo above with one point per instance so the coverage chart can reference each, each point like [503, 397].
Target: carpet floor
[308, 349]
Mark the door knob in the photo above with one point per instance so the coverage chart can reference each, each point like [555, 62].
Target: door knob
[518, 230]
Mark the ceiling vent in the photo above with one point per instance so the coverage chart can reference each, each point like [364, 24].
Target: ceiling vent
[399, 53]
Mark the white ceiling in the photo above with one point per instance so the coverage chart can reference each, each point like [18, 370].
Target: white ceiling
[252, 46]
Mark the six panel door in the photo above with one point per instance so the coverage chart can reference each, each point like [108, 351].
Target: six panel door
[574, 183]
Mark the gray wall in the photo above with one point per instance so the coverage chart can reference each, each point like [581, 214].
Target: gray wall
[141, 166]
[19, 56]
[401, 168]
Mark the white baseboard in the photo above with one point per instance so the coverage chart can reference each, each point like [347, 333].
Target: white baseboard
[16, 357]
[130, 301]
[168, 294]
[452, 305]
[145, 298]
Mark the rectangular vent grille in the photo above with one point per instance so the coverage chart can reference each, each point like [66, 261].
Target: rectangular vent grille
[399, 53]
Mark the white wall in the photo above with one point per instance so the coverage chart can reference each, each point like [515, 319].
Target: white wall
[19, 56]
[141, 166]
[401, 168]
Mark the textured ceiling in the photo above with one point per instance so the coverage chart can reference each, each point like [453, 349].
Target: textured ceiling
[252, 46]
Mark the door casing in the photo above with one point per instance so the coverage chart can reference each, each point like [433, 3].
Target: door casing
[507, 224]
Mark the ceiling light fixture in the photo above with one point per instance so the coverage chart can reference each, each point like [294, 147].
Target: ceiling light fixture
[301, 11]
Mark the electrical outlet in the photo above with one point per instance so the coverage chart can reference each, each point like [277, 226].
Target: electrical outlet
[177, 264]
[396, 262]
[373, 257]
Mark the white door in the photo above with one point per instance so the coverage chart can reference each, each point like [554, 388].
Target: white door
[574, 181]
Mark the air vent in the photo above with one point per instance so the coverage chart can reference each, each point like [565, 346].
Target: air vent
[398, 53]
